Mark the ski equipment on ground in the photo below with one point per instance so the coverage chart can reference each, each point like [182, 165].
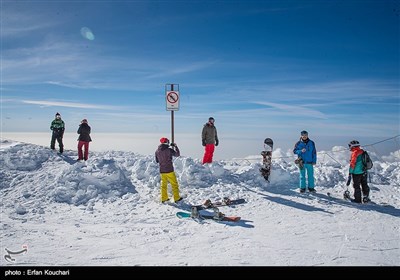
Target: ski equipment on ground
[224, 202]
[218, 216]
[267, 158]
[346, 197]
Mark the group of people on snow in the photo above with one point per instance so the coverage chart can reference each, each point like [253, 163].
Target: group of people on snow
[307, 158]
[304, 148]
[166, 151]
[58, 127]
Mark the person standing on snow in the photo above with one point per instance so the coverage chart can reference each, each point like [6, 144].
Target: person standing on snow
[83, 140]
[209, 139]
[357, 173]
[305, 149]
[164, 155]
[58, 127]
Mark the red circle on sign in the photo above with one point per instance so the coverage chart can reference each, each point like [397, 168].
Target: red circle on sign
[172, 97]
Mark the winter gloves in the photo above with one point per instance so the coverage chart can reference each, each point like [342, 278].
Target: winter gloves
[299, 162]
[348, 180]
[204, 142]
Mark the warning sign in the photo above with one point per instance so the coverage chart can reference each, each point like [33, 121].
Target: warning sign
[172, 98]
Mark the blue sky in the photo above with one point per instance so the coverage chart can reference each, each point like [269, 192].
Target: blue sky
[260, 68]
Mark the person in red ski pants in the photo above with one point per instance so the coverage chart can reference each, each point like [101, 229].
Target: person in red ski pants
[209, 139]
[83, 140]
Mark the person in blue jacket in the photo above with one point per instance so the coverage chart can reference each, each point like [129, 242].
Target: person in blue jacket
[306, 151]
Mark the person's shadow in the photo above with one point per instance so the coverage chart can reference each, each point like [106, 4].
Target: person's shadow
[67, 159]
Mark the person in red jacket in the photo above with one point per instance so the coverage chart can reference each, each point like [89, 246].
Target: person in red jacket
[164, 154]
[357, 173]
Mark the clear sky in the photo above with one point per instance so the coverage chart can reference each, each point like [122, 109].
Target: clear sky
[260, 68]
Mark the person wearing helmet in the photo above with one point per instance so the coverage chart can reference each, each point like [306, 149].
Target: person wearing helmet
[83, 140]
[58, 127]
[306, 151]
[164, 154]
[209, 139]
[357, 173]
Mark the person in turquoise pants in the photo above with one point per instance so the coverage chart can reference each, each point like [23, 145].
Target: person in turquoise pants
[306, 151]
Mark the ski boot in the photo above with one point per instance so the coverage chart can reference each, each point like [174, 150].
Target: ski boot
[195, 213]
[207, 203]
[218, 216]
[226, 201]
[366, 199]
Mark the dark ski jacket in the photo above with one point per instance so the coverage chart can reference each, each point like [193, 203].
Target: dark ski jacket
[58, 127]
[164, 155]
[209, 134]
[310, 155]
[84, 132]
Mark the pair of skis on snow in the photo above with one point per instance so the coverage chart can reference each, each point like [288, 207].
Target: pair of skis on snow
[216, 215]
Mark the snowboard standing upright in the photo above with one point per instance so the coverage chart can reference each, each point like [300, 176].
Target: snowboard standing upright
[267, 158]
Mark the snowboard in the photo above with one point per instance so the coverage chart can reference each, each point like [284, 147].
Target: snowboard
[225, 202]
[267, 158]
[183, 215]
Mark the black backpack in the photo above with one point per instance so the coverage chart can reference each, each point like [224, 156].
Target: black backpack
[366, 160]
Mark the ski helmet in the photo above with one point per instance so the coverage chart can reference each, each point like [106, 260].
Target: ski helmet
[354, 143]
[164, 140]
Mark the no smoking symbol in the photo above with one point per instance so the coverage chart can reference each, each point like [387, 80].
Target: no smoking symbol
[172, 97]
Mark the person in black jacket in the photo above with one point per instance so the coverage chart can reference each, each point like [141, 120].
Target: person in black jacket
[83, 140]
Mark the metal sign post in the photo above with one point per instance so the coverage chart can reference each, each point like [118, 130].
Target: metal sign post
[172, 101]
